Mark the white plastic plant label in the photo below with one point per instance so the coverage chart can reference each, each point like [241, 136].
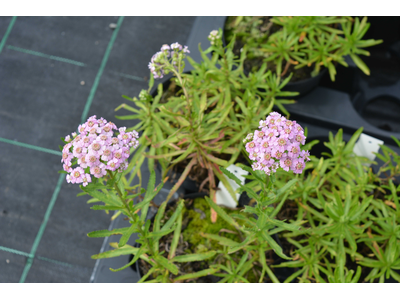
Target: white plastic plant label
[222, 194]
[366, 146]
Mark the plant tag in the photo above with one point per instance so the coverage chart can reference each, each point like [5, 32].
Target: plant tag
[366, 145]
[222, 194]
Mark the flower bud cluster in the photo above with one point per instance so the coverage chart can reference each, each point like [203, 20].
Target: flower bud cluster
[214, 36]
[96, 150]
[276, 145]
[144, 95]
[172, 54]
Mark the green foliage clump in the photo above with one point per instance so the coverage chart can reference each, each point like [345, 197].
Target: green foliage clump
[202, 125]
[302, 41]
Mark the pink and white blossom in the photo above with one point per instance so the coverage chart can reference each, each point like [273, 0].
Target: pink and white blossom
[276, 145]
[96, 149]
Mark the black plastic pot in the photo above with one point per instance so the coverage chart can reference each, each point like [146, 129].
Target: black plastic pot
[189, 186]
[281, 273]
[303, 87]
[136, 268]
[101, 272]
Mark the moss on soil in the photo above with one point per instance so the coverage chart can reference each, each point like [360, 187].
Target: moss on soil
[200, 222]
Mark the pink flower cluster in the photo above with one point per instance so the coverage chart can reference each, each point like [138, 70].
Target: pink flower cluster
[97, 150]
[175, 52]
[277, 144]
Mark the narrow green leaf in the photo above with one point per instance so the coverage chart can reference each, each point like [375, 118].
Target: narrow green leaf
[175, 239]
[174, 216]
[116, 252]
[357, 60]
[197, 274]
[106, 232]
[194, 257]
[166, 264]
[137, 255]
[161, 232]
[243, 244]
[106, 207]
[274, 245]
[125, 237]
[222, 240]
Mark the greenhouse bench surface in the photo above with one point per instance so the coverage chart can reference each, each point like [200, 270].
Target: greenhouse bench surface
[55, 72]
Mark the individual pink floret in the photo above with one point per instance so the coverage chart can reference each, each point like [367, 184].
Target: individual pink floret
[113, 164]
[107, 130]
[86, 141]
[92, 159]
[107, 153]
[76, 175]
[82, 128]
[286, 162]
[98, 171]
[104, 139]
[125, 152]
[66, 156]
[79, 151]
[96, 148]
[86, 179]
[118, 155]
[298, 166]
[82, 161]
[101, 122]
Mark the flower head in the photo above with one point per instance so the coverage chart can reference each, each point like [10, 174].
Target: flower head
[97, 149]
[276, 145]
[214, 36]
[169, 57]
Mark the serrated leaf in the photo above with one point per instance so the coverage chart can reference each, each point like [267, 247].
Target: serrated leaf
[106, 207]
[137, 254]
[274, 245]
[197, 274]
[224, 241]
[166, 264]
[125, 237]
[116, 252]
[106, 232]
[161, 233]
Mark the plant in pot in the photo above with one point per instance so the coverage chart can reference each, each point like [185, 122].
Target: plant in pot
[303, 45]
[351, 220]
[349, 216]
[196, 126]
[238, 259]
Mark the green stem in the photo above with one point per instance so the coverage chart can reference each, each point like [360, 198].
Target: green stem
[141, 231]
[177, 74]
[120, 194]
[186, 95]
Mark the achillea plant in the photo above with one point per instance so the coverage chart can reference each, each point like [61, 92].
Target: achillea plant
[198, 126]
